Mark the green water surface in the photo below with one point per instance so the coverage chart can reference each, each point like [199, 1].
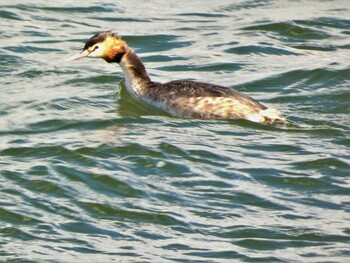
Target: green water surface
[87, 174]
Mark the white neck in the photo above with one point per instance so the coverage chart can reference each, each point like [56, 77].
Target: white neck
[128, 79]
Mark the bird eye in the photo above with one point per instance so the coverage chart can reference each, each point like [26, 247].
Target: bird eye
[96, 47]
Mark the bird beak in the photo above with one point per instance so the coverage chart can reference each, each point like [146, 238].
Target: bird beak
[82, 54]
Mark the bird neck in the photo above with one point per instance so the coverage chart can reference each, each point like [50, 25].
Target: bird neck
[136, 77]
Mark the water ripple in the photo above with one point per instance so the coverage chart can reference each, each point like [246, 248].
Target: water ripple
[89, 174]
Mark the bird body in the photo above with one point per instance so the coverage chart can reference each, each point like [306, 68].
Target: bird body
[180, 98]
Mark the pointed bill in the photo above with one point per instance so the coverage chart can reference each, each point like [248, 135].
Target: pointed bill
[82, 54]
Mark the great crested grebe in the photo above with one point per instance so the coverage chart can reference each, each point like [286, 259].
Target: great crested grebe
[181, 98]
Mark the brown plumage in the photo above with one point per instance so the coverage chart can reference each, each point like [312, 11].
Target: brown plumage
[182, 98]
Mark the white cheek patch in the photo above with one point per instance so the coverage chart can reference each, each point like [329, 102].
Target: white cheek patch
[97, 53]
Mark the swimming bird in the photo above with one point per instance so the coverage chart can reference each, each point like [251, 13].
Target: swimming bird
[180, 98]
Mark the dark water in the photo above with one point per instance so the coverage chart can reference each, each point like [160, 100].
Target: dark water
[88, 175]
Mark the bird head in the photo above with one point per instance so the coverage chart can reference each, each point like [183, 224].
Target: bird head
[106, 45]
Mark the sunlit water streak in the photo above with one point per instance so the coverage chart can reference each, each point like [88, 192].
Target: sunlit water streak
[88, 174]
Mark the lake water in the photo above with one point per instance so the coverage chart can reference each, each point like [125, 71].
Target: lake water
[89, 175]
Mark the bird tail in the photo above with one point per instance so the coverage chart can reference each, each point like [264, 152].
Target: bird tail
[272, 115]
